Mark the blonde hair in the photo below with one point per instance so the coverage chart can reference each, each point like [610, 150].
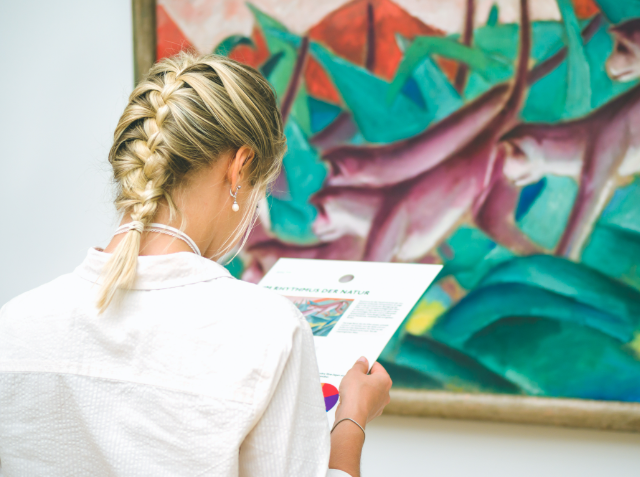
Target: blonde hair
[184, 115]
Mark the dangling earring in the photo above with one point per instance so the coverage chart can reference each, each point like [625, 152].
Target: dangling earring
[235, 207]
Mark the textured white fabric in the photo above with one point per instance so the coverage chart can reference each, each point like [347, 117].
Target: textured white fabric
[193, 373]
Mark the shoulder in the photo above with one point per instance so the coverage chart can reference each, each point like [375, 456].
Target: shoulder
[45, 299]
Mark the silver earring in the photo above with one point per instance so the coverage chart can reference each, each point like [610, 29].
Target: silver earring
[235, 207]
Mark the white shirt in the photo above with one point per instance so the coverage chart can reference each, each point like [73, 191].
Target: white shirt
[193, 373]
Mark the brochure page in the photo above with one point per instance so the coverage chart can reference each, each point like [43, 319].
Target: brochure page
[353, 308]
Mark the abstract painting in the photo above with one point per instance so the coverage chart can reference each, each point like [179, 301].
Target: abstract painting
[322, 314]
[500, 138]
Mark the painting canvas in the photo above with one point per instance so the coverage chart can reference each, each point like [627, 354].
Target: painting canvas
[500, 138]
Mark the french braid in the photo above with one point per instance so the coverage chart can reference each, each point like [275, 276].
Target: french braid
[186, 113]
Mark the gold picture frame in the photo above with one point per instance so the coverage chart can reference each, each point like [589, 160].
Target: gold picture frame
[574, 413]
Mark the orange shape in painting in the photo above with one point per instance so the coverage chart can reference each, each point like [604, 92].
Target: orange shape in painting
[345, 30]
[170, 40]
[585, 8]
[319, 84]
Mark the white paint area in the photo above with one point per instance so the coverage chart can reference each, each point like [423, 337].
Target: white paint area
[207, 22]
[66, 78]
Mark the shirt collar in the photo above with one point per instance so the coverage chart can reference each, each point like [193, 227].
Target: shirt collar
[155, 272]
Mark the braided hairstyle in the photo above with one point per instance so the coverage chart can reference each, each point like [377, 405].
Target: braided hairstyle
[184, 115]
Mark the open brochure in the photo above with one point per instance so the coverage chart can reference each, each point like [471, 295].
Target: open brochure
[353, 308]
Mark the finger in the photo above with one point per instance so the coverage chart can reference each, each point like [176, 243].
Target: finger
[361, 365]
[377, 368]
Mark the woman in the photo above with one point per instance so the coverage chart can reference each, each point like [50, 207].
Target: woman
[150, 359]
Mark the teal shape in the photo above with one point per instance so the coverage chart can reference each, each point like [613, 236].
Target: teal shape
[235, 267]
[614, 245]
[615, 251]
[230, 42]
[545, 221]
[571, 280]
[578, 100]
[365, 96]
[618, 11]
[322, 113]
[283, 57]
[450, 368]
[552, 358]
[291, 219]
[468, 254]
[623, 210]
[491, 303]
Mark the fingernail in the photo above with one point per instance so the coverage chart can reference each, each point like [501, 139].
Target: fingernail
[363, 359]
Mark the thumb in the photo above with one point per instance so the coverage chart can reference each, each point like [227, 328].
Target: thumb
[361, 365]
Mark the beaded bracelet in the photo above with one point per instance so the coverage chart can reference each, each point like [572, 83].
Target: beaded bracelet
[349, 419]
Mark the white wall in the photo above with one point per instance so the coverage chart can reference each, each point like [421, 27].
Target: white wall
[67, 70]
[66, 74]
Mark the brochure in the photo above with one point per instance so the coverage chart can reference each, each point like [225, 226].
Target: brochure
[353, 308]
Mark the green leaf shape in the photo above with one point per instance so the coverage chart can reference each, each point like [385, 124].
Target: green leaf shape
[491, 303]
[437, 91]
[571, 280]
[491, 58]
[494, 14]
[279, 74]
[452, 369]
[291, 219]
[230, 42]
[423, 47]
[578, 101]
[502, 42]
[439, 94]
[548, 97]
[364, 95]
[547, 357]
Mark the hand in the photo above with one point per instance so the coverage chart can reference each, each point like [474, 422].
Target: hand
[363, 396]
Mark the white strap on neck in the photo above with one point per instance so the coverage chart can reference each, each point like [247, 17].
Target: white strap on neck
[162, 229]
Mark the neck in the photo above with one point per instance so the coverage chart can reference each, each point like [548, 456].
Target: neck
[153, 243]
[205, 208]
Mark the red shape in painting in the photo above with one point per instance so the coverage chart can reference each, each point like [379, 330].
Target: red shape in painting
[345, 32]
[249, 55]
[585, 8]
[319, 84]
[171, 40]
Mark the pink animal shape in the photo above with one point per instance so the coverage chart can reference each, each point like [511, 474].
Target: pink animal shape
[419, 212]
[601, 151]
[387, 165]
[345, 211]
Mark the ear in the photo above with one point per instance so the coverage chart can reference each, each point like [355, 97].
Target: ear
[237, 164]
